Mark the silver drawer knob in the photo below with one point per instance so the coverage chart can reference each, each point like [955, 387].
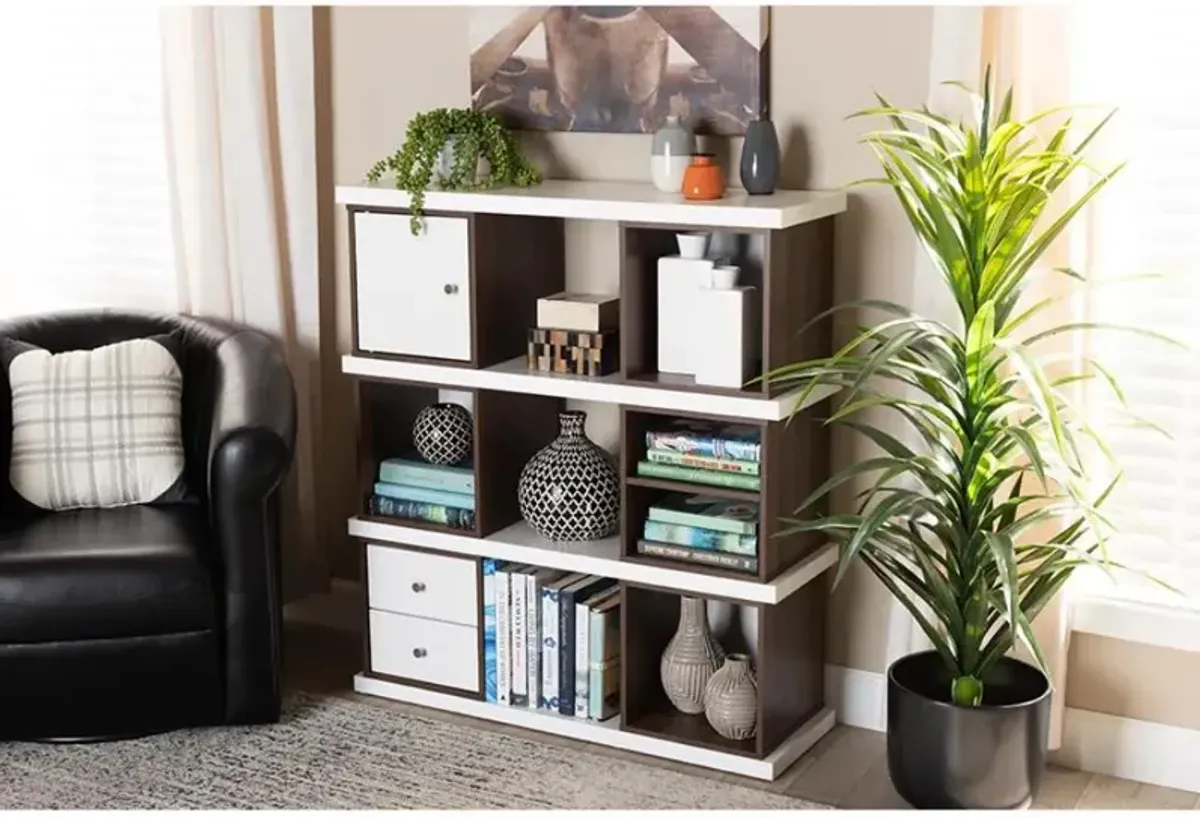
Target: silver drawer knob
[419, 653]
[450, 289]
[418, 587]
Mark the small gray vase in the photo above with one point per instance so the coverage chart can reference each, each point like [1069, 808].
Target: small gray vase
[670, 155]
[691, 658]
[731, 699]
[760, 158]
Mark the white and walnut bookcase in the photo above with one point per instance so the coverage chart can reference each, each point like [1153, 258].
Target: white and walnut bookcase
[449, 310]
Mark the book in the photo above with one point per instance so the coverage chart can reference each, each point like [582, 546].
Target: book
[456, 518]
[412, 471]
[604, 659]
[488, 569]
[666, 471]
[503, 593]
[568, 597]
[703, 538]
[549, 647]
[583, 641]
[584, 312]
[450, 499]
[709, 440]
[699, 461]
[533, 605]
[733, 516]
[518, 614]
[684, 553]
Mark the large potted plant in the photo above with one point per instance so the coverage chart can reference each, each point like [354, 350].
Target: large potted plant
[953, 521]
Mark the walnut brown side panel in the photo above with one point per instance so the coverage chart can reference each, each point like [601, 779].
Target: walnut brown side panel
[640, 249]
[791, 663]
[515, 260]
[796, 458]
[386, 414]
[509, 429]
[798, 282]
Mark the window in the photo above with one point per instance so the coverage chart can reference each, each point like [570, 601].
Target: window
[1147, 221]
[84, 197]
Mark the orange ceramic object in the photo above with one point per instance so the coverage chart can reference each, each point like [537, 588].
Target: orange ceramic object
[703, 179]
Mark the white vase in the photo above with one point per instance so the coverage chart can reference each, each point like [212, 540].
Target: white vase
[445, 164]
[670, 155]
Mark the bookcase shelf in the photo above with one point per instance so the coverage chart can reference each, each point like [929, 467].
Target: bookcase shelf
[498, 251]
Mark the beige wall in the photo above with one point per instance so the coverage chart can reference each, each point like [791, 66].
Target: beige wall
[390, 63]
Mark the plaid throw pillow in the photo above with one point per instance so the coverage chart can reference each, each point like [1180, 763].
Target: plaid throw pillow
[96, 428]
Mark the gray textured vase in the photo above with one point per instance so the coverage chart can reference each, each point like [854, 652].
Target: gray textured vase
[691, 658]
[674, 144]
[760, 158]
[731, 699]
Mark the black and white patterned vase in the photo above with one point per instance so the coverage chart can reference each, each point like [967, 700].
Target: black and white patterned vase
[442, 434]
[569, 491]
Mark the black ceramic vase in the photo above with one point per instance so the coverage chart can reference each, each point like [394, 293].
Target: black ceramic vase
[942, 756]
[569, 491]
[443, 434]
[760, 158]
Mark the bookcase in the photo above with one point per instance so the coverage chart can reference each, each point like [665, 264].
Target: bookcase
[445, 315]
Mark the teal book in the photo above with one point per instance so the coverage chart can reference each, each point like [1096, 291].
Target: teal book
[734, 516]
[604, 660]
[489, 629]
[458, 518]
[666, 471]
[703, 538]
[413, 472]
[451, 499]
[699, 461]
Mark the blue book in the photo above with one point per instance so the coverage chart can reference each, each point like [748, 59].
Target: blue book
[704, 538]
[412, 472]
[460, 518]
[566, 637]
[450, 499]
[724, 442]
[489, 630]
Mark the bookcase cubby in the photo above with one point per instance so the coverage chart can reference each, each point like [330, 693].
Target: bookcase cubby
[468, 289]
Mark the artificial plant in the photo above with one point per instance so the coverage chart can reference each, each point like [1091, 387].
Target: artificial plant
[475, 134]
[951, 517]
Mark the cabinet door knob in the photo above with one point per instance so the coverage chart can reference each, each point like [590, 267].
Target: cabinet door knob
[418, 587]
[450, 289]
[419, 653]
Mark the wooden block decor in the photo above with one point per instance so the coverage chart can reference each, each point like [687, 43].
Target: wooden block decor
[570, 352]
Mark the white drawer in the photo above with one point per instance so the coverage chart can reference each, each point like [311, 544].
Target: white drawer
[413, 292]
[422, 584]
[435, 652]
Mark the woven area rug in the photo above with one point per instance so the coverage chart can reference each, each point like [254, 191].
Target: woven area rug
[333, 753]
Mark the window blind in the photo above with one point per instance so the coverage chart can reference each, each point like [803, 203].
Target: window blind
[84, 196]
[1147, 221]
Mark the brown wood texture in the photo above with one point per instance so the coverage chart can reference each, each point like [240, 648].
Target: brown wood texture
[796, 460]
[515, 260]
[510, 428]
[640, 249]
[648, 621]
[798, 286]
[791, 663]
[684, 487]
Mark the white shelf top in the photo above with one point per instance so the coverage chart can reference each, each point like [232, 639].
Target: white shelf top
[520, 543]
[514, 376]
[615, 201]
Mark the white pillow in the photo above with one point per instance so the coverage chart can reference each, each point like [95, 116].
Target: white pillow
[97, 428]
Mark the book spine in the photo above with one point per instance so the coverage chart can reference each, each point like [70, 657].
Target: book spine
[457, 518]
[416, 474]
[582, 666]
[489, 630]
[503, 638]
[704, 445]
[595, 698]
[712, 523]
[533, 659]
[566, 654]
[711, 478]
[549, 649]
[520, 696]
[697, 461]
[681, 552]
[700, 538]
[435, 497]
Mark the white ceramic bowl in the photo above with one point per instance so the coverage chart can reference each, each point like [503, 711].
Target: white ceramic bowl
[692, 245]
[725, 277]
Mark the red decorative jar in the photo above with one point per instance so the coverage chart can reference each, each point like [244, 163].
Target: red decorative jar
[703, 179]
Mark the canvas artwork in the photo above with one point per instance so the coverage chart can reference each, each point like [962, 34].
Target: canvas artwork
[620, 69]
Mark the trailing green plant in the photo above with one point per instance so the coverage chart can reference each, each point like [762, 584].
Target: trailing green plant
[953, 518]
[476, 134]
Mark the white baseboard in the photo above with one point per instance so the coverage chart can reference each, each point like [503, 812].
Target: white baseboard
[1144, 751]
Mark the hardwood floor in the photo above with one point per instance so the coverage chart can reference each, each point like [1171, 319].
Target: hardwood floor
[847, 768]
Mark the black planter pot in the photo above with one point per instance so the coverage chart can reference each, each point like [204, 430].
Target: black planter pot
[942, 756]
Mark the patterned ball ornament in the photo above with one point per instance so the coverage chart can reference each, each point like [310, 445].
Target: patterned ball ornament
[442, 434]
[569, 491]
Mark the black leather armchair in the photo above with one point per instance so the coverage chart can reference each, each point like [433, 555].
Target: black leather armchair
[146, 618]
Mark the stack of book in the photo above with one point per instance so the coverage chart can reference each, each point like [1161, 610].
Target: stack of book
[551, 640]
[710, 454]
[412, 489]
[699, 529]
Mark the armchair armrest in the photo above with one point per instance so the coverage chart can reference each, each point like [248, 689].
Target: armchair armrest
[250, 452]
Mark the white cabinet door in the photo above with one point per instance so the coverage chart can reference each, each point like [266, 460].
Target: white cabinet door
[413, 293]
[425, 650]
[422, 584]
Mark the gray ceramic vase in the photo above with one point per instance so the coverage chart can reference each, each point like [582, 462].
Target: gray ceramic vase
[760, 158]
[691, 658]
[670, 155]
[731, 699]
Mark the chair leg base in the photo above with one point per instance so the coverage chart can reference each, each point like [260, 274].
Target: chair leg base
[96, 739]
